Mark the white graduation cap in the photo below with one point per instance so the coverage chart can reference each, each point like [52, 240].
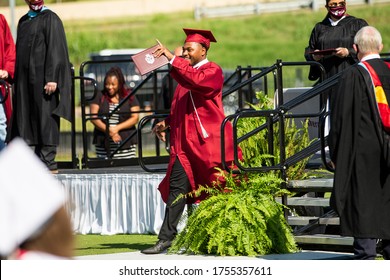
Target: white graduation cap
[29, 195]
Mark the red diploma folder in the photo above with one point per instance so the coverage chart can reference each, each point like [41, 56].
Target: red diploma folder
[324, 52]
[146, 62]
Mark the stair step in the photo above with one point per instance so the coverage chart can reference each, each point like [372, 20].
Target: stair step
[326, 239]
[329, 221]
[305, 220]
[311, 185]
[300, 221]
[306, 201]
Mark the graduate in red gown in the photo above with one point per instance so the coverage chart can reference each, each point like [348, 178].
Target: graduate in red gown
[7, 68]
[194, 122]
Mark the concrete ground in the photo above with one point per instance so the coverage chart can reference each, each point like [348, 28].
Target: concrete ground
[303, 255]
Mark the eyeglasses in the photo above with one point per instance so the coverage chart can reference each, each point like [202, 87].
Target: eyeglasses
[335, 4]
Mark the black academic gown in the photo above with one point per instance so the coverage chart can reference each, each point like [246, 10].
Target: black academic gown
[361, 192]
[41, 57]
[325, 36]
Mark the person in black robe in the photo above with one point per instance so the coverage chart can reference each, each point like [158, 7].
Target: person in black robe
[335, 31]
[361, 191]
[42, 81]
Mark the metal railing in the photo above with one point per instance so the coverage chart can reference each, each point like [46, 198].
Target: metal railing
[278, 116]
[268, 7]
[243, 79]
[159, 161]
[153, 81]
[4, 87]
[240, 81]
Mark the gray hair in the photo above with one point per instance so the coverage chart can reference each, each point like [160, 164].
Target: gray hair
[368, 39]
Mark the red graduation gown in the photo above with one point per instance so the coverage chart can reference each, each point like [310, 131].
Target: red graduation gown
[7, 59]
[198, 155]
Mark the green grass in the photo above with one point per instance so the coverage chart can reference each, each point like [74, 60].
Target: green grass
[93, 244]
[257, 40]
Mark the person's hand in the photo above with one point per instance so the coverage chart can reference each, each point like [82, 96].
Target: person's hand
[161, 50]
[116, 138]
[3, 74]
[317, 57]
[159, 130]
[114, 134]
[113, 130]
[342, 52]
[50, 88]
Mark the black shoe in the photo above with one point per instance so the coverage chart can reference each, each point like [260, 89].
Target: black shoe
[160, 247]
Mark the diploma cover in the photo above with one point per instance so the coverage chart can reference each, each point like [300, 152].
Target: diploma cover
[146, 62]
[324, 52]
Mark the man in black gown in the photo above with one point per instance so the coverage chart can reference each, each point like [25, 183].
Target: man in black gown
[42, 81]
[361, 192]
[336, 31]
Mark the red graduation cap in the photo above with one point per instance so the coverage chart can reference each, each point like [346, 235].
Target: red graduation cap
[203, 37]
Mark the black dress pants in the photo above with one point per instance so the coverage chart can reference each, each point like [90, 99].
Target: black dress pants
[386, 249]
[365, 248]
[178, 184]
[47, 154]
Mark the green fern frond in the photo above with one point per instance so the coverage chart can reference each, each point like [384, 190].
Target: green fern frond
[238, 223]
[243, 218]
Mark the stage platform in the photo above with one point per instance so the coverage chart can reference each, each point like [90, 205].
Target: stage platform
[117, 200]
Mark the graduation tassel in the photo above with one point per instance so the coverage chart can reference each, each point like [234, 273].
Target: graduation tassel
[204, 132]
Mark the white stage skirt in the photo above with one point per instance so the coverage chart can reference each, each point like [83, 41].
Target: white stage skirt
[114, 203]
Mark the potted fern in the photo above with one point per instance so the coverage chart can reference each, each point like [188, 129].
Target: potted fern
[244, 219]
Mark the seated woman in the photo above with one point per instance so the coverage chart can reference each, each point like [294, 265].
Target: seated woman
[121, 123]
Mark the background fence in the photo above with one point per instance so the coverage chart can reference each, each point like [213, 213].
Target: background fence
[268, 7]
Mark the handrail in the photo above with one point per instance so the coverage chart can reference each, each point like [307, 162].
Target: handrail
[242, 72]
[83, 114]
[75, 163]
[314, 147]
[249, 80]
[141, 159]
[139, 86]
[249, 113]
[105, 117]
[321, 87]
[4, 84]
[274, 116]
